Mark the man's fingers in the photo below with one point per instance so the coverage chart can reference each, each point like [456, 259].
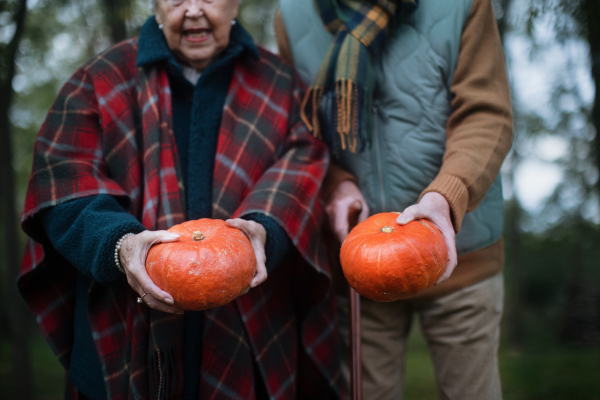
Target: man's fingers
[452, 258]
[409, 214]
[441, 222]
[445, 275]
[364, 212]
[450, 238]
[449, 269]
[340, 225]
[354, 213]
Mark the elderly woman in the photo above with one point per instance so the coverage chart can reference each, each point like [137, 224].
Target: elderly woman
[190, 120]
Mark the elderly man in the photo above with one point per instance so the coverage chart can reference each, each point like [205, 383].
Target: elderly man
[413, 100]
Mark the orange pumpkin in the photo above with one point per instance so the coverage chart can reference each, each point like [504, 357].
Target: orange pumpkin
[384, 261]
[209, 266]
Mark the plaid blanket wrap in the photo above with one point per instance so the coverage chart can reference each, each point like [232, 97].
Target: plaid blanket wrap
[110, 131]
[346, 78]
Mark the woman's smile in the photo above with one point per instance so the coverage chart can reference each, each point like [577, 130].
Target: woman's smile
[197, 32]
[196, 35]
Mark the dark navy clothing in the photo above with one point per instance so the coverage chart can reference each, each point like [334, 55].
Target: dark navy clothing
[85, 231]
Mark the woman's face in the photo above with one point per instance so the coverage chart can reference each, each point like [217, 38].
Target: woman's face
[196, 30]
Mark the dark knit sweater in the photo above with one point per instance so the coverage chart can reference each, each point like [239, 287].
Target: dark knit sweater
[85, 231]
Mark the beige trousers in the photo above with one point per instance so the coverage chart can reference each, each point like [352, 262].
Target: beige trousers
[462, 330]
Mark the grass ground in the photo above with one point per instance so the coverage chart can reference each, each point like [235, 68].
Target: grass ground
[542, 372]
[48, 374]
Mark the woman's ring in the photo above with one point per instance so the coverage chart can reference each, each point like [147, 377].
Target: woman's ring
[140, 300]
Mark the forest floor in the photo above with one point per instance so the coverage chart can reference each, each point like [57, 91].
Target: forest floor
[545, 371]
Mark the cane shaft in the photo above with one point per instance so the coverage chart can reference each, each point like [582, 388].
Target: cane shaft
[355, 361]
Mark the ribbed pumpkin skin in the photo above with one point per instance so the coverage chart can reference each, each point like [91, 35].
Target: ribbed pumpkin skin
[397, 265]
[207, 273]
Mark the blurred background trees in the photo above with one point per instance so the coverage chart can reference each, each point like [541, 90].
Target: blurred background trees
[552, 272]
[551, 181]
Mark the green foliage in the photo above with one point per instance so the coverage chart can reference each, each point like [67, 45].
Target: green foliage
[566, 253]
[552, 264]
[544, 370]
[419, 383]
[552, 373]
[50, 375]
[257, 17]
[570, 18]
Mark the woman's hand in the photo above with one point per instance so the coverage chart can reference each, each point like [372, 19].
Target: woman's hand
[258, 237]
[345, 202]
[132, 256]
[434, 207]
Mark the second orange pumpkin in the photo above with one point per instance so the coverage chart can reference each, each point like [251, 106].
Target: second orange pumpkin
[385, 261]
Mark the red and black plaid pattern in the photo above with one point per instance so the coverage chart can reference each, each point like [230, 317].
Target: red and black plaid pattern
[110, 131]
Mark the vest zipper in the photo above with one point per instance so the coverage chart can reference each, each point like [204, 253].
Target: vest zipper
[378, 160]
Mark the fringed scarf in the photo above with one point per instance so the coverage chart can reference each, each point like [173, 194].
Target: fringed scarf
[347, 72]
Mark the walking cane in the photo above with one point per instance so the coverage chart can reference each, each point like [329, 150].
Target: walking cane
[356, 373]
[354, 297]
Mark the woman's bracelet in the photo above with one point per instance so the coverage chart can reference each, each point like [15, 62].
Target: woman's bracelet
[117, 248]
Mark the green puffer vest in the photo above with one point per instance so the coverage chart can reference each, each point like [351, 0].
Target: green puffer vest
[411, 105]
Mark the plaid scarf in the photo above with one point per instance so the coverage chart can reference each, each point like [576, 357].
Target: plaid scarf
[346, 76]
[110, 131]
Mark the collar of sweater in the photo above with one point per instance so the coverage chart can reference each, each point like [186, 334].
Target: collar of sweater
[153, 48]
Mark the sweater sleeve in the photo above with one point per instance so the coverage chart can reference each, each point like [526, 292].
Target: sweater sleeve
[283, 43]
[479, 129]
[278, 243]
[85, 232]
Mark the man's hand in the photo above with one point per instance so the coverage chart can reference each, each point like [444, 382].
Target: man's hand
[434, 208]
[345, 202]
[258, 237]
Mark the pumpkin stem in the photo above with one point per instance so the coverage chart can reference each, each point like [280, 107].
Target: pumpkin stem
[198, 236]
[387, 229]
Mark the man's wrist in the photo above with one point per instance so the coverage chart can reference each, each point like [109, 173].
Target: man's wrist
[456, 195]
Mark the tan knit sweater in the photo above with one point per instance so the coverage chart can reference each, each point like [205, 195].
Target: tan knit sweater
[479, 135]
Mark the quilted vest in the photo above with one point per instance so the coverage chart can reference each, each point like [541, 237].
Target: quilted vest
[414, 72]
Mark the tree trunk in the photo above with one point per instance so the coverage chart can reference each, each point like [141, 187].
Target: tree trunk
[516, 328]
[116, 12]
[17, 314]
[513, 234]
[502, 16]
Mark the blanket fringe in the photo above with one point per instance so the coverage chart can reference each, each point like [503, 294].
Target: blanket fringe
[162, 374]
